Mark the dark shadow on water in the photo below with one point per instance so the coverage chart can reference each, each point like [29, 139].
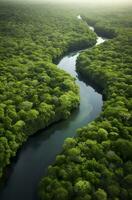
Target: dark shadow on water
[40, 135]
[90, 83]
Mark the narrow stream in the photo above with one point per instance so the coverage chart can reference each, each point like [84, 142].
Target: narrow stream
[41, 149]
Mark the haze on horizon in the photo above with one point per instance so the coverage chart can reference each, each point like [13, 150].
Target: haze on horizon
[75, 1]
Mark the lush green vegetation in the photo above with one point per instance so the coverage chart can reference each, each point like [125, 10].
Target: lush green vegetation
[97, 164]
[34, 92]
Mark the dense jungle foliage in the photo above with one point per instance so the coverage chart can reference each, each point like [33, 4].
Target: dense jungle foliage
[97, 164]
[33, 91]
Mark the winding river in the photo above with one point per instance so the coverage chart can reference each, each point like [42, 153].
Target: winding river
[41, 149]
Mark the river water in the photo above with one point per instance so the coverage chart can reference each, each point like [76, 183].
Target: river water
[41, 149]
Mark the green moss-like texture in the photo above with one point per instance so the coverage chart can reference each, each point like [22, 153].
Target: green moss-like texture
[97, 164]
[33, 91]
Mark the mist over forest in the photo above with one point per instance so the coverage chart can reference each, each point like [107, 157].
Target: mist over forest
[105, 2]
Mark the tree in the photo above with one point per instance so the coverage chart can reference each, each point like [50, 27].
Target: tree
[69, 143]
[4, 152]
[19, 126]
[102, 134]
[82, 187]
[128, 181]
[61, 193]
[74, 154]
[113, 190]
[26, 105]
[100, 194]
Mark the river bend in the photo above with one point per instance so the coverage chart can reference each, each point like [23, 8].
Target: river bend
[41, 149]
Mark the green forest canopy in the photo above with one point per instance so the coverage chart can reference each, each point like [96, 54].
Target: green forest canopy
[34, 93]
[97, 164]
